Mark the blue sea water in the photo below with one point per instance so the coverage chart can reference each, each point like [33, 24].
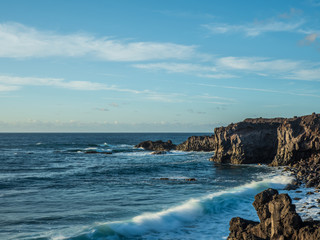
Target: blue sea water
[65, 186]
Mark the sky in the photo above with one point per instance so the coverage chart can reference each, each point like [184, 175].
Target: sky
[155, 66]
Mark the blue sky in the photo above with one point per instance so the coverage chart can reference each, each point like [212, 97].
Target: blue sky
[153, 66]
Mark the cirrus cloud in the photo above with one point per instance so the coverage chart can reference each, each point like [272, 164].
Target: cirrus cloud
[20, 41]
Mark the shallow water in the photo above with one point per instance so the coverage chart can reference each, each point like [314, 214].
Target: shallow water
[51, 188]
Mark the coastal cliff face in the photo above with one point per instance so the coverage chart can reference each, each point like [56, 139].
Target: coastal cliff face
[197, 143]
[298, 138]
[277, 141]
[250, 141]
[278, 220]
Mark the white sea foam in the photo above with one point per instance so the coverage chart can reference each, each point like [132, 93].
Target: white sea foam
[213, 205]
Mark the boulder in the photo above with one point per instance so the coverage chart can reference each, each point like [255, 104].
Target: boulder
[278, 220]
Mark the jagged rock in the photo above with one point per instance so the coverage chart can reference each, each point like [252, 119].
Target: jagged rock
[298, 138]
[278, 141]
[157, 145]
[278, 220]
[250, 141]
[197, 143]
[193, 143]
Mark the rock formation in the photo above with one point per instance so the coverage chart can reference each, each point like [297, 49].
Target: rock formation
[250, 141]
[156, 146]
[278, 221]
[277, 141]
[197, 143]
[194, 143]
[298, 138]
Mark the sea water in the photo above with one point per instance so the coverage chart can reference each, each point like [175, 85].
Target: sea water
[99, 186]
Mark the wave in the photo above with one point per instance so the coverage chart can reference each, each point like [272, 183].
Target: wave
[212, 204]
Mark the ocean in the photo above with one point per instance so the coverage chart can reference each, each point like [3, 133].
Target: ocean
[69, 186]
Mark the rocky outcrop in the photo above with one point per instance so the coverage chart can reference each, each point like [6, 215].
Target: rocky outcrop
[197, 143]
[193, 143]
[156, 146]
[278, 221]
[277, 141]
[298, 138]
[250, 141]
[307, 171]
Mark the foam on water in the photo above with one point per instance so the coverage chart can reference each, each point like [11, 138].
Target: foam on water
[213, 205]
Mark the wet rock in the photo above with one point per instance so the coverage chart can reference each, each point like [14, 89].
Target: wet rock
[157, 145]
[291, 187]
[159, 152]
[191, 179]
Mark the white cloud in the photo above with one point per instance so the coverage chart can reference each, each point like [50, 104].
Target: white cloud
[15, 83]
[255, 29]
[175, 67]
[309, 39]
[262, 90]
[19, 41]
[204, 71]
[5, 88]
[305, 74]
[258, 64]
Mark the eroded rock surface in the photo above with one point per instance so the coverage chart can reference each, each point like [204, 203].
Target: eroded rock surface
[250, 141]
[197, 143]
[278, 221]
[277, 141]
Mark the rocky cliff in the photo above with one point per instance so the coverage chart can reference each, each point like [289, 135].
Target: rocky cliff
[278, 221]
[277, 141]
[197, 143]
[250, 141]
[298, 138]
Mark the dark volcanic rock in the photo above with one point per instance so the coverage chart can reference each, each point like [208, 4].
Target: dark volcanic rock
[197, 143]
[277, 141]
[157, 146]
[298, 138]
[278, 220]
[250, 141]
[194, 143]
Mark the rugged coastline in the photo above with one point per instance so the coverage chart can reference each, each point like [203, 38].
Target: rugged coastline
[290, 142]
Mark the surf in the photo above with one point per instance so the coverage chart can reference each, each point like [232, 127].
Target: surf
[221, 203]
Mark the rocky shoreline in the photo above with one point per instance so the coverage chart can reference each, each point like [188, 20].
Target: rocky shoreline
[290, 142]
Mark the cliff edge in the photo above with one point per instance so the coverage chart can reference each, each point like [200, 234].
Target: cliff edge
[277, 141]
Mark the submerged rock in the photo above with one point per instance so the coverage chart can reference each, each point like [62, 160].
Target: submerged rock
[278, 220]
[159, 152]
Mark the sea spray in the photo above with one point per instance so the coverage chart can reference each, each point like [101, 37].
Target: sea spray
[220, 203]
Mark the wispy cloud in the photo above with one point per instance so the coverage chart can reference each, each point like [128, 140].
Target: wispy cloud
[20, 41]
[255, 29]
[204, 71]
[262, 90]
[257, 64]
[176, 67]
